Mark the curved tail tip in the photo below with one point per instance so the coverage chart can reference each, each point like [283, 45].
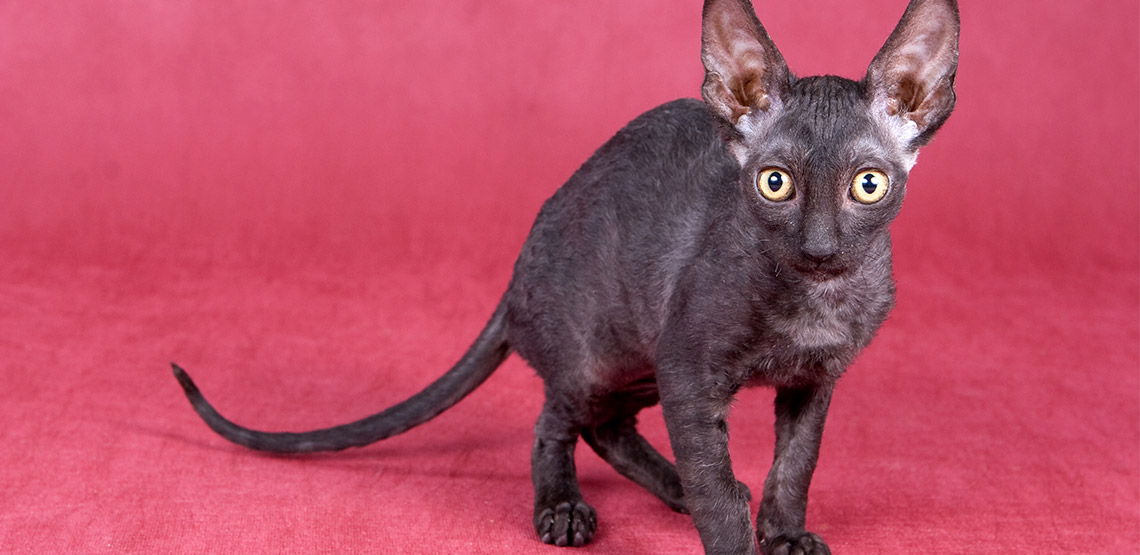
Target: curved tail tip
[184, 380]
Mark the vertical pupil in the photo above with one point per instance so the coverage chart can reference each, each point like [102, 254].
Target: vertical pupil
[869, 183]
[775, 181]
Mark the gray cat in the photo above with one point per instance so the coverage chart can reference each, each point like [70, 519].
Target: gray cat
[706, 247]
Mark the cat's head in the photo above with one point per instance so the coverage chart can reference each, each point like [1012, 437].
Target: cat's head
[825, 158]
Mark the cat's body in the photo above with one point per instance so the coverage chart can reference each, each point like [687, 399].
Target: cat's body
[706, 247]
[639, 235]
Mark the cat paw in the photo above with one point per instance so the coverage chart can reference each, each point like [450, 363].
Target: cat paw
[567, 524]
[804, 543]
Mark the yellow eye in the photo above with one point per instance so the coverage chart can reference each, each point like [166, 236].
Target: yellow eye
[774, 184]
[870, 186]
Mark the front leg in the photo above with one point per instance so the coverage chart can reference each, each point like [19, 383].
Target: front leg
[695, 406]
[800, 414]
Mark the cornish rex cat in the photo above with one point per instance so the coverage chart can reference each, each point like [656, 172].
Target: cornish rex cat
[706, 247]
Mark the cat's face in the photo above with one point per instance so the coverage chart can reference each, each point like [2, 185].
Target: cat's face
[825, 177]
[825, 159]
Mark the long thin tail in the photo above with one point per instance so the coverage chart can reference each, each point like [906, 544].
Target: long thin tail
[488, 351]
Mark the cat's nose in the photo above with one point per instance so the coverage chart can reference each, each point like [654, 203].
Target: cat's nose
[820, 242]
[820, 250]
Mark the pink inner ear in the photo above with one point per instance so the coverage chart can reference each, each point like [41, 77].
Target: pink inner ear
[717, 93]
[915, 68]
[739, 58]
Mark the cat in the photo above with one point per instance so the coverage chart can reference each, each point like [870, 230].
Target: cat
[708, 246]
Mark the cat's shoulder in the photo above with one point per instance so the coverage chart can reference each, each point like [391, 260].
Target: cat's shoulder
[683, 131]
[684, 113]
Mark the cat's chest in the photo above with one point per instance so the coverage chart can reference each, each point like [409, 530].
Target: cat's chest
[816, 333]
[824, 315]
[815, 328]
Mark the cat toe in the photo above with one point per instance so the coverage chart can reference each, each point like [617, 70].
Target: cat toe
[567, 524]
[804, 543]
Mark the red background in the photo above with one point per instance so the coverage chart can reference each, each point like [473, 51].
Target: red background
[314, 208]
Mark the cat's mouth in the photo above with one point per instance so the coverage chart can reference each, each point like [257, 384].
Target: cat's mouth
[820, 272]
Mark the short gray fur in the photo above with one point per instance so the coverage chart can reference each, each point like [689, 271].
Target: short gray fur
[661, 273]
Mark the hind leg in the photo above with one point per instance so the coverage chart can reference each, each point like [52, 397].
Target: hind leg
[561, 517]
[619, 443]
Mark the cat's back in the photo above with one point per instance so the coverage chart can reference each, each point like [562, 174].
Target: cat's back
[663, 148]
[645, 193]
[607, 247]
[662, 170]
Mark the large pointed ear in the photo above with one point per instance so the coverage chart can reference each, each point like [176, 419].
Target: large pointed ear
[912, 77]
[743, 70]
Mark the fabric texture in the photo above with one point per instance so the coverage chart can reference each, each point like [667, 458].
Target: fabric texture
[314, 207]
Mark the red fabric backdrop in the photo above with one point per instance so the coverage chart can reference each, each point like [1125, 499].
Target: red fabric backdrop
[314, 208]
